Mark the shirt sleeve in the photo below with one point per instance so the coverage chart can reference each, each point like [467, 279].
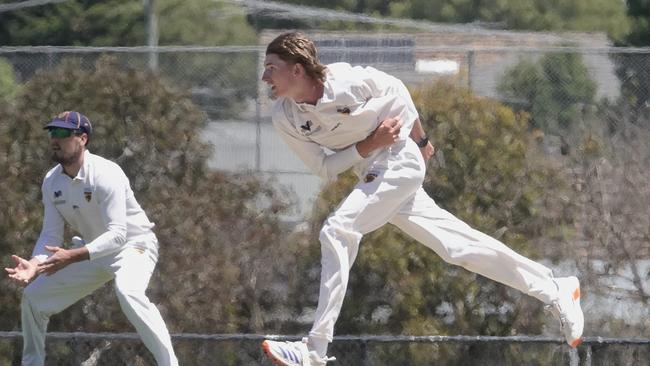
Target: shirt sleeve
[53, 224]
[381, 84]
[326, 166]
[111, 190]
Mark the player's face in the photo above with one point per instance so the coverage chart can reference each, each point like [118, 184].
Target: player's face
[67, 147]
[279, 75]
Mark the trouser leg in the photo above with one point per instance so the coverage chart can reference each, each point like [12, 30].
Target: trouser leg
[369, 206]
[34, 325]
[49, 295]
[457, 243]
[133, 270]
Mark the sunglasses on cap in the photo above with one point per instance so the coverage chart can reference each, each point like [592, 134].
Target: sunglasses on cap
[62, 133]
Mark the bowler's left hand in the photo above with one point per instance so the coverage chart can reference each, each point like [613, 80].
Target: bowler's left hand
[427, 151]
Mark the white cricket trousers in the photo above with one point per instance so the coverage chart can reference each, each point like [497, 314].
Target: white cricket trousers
[395, 195]
[131, 268]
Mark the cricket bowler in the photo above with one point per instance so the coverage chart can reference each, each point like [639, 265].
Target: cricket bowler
[368, 120]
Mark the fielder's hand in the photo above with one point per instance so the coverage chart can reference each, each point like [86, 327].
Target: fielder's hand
[24, 271]
[61, 258]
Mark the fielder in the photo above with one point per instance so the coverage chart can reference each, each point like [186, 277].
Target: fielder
[92, 195]
[368, 120]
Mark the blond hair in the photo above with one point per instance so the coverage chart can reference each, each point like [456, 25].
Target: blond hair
[296, 48]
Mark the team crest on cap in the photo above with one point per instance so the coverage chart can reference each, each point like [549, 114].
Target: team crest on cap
[88, 194]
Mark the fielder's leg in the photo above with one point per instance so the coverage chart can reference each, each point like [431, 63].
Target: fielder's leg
[133, 270]
[49, 295]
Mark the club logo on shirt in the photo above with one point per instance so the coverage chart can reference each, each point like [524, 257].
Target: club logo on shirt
[58, 199]
[88, 194]
[307, 130]
[344, 110]
[306, 127]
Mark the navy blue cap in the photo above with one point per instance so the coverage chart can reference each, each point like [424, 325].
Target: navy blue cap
[72, 121]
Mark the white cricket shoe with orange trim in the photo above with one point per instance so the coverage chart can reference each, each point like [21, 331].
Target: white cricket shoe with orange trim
[293, 354]
[567, 309]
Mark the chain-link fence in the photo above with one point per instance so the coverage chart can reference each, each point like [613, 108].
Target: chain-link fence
[560, 87]
[568, 92]
[244, 349]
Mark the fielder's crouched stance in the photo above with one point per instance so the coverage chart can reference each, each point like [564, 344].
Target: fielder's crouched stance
[368, 119]
[94, 197]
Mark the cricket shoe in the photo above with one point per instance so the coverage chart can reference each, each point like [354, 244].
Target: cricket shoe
[293, 354]
[567, 309]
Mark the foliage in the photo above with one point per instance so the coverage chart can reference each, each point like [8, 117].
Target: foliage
[8, 84]
[217, 81]
[75, 23]
[555, 90]
[539, 15]
[638, 11]
[216, 270]
[484, 177]
[632, 68]
[203, 22]
[611, 195]
[122, 23]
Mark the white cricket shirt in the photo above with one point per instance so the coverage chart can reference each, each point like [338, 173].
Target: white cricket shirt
[355, 101]
[98, 204]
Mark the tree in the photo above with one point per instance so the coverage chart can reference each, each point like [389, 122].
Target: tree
[557, 15]
[216, 270]
[120, 23]
[75, 23]
[639, 35]
[218, 83]
[8, 84]
[538, 15]
[555, 90]
[632, 68]
[610, 196]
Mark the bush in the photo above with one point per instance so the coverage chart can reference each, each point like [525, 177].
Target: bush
[216, 230]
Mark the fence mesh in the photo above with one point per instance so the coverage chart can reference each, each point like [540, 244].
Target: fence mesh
[562, 88]
[559, 86]
[244, 349]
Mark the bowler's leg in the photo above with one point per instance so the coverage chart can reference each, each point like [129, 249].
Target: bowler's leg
[457, 243]
[369, 206]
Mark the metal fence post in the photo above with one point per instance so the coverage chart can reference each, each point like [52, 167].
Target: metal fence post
[587, 360]
[152, 33]
[364, 353]
[574, 357]
[470, 68]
